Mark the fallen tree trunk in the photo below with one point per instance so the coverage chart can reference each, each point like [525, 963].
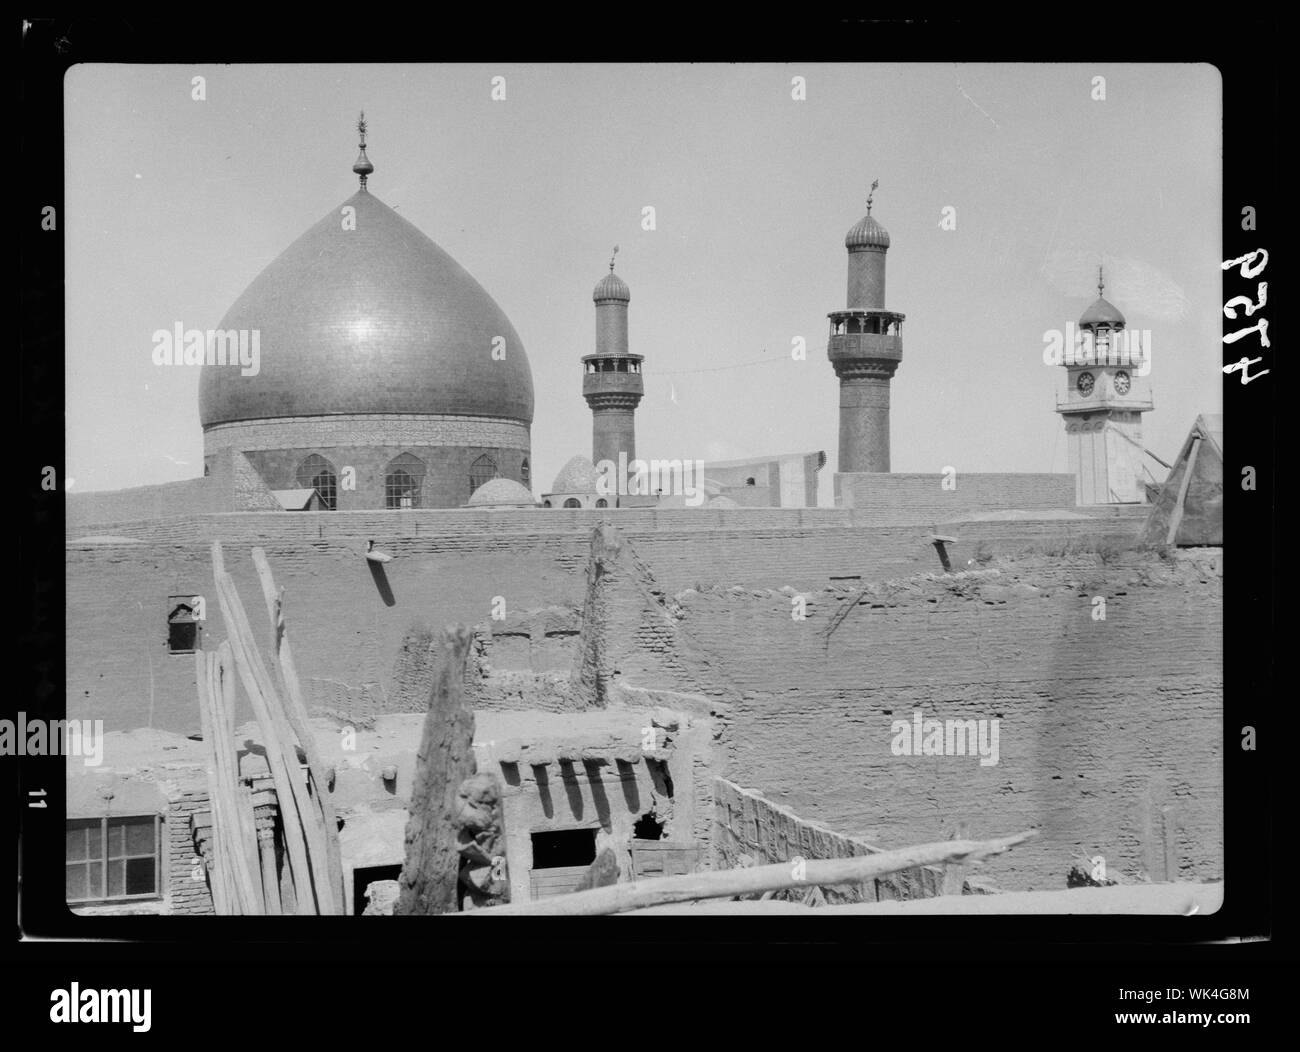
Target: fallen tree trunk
[724, 883]
[431, 874]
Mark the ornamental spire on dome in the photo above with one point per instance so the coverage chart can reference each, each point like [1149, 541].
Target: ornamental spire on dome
[1101, 282]
[611, 259]
[363, 167]
[875, 183]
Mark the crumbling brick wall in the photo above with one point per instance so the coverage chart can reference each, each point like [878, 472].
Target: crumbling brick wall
[751, 830]
[1110, 731]
[185, 894]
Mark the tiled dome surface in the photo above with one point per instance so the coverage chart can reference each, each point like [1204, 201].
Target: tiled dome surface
[373, 320]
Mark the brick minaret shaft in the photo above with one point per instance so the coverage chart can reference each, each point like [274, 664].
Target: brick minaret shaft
[612, 382]
[865, 347]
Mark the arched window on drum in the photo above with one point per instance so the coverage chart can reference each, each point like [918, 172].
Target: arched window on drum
[318, 473]
[484, 469]
[403, 481]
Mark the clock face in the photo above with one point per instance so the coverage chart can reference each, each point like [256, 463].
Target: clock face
[1122, 383]
[1085, 382]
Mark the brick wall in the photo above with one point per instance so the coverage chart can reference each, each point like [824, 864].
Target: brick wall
[749, 826]
[1103, 724]
[903, 498]
[119, 668]
[185, 894]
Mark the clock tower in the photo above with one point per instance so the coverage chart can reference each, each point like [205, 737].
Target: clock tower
[1106, 394]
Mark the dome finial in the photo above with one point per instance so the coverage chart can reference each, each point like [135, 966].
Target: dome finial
[611, 259]
[363, 167]
[875, 183]
[1101, 283]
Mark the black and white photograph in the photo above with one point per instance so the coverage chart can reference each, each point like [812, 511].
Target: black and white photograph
[515, 489]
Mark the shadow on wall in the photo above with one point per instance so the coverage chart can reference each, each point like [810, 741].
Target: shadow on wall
[381, 583]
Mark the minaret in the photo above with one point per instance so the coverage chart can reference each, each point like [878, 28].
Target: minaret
[1108, 393]
[611, 382]
[866, 345]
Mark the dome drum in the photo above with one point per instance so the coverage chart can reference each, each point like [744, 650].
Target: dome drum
[391, 477]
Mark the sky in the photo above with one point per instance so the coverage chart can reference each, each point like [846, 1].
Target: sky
[174, 205]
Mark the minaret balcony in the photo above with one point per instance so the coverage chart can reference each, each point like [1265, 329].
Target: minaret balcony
[846, 346]
[631, 384]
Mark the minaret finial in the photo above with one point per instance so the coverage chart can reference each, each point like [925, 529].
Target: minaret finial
[1101, 283]
[875, 183]
[611, 259]
[363, 167]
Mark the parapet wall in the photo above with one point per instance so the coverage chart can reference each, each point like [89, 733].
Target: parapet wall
[888, 498]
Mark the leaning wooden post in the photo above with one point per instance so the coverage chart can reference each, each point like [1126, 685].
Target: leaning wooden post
[297, 815]
[429, 881]
[242, 841]
[296, 709]
[220, 898]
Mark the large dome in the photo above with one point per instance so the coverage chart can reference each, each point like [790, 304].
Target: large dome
[376, 319]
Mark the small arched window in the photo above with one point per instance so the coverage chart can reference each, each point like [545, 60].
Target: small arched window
[318, 473]
[182, 628]
[484, 469]
[525, 473]
[546, 504]
[403, 481]
[749, 481]
[573, 502]
[602, 503]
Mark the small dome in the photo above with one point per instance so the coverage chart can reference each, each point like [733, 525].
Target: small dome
[579, 475]
[611, 287]
[867, 234]
[1102, 312]
[501, 493]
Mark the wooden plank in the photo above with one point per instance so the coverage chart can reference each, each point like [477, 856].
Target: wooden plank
[620, 898]
[430, 876]
[218, 884]
[241, 840]
[296, 814]
[296, 711]
[1176, 515]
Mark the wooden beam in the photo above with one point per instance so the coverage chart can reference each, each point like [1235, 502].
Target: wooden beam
[430, 876]
[242, 840]
[296, 711]
[216, 849]
[297, 813]
[1176, 513]
[619, 898]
